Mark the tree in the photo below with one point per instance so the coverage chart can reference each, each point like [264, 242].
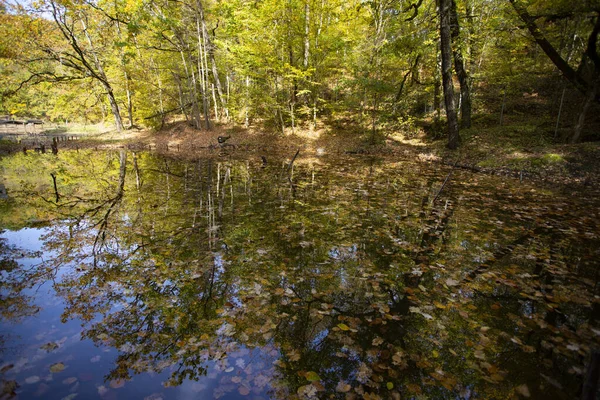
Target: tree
[460, 68]
[84, 60]
[586, 77]
[446, 51]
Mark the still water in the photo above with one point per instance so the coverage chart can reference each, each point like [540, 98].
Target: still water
[143, 276]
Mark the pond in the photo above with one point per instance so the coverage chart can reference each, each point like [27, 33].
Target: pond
[138, 275]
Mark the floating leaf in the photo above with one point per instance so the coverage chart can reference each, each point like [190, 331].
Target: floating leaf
[6, 368]
[523, 390]
[451, 282]
[312, 376]
[342, 387]
[58, 367]
[102, 390]
[49, 346]
[70, 380]
[70, 397]
[32, 379]
[344, 327]
[244, 391]
[117, 383]
[389, 385]
[155, 396]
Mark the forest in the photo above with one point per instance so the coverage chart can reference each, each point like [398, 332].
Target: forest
[299, 199]
[376, 66]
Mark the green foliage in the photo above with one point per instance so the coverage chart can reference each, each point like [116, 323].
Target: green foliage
[275, 63]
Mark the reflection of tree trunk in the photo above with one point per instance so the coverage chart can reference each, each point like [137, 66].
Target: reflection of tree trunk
[122, 170]
[112, 203]
[138, 180]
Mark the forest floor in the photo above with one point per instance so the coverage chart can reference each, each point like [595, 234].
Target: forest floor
[518, 149]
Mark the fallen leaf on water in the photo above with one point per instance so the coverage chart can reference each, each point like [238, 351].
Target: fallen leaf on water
[389, 385]
[95, 359]
[451, 282]
[342, 387]
[244, 391]
[117, 383]
[70, 397]
[523, 390]
[240, 363]
[307, 391]
[102, 390]
[439, 305]
[49, 346]
[70, 380]
[343, 327]
[8, 387]
[55, 368]
[154, 396]
[312, 376]
[6, 368]
[32, 379]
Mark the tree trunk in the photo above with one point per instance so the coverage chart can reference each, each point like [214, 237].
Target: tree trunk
[114, 106]
[461, 72]
[127, 79]
[572, 76]
[446, 50]
[203, 71]
[589, 99]
[195, 109]
[306, 33]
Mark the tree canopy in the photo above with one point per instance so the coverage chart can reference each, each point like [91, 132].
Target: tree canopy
[289, 64]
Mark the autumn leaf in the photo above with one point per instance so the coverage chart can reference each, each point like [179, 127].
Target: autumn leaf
[32, 379]
[58, 367]
[342, 387]
[312, 376]
[117, 383]
[343, 327]
[244, 391]
[523, 390]
[49, 346]
[451, 282]
[389, 385]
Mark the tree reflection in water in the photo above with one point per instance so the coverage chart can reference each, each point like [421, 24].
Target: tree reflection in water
[329, 278]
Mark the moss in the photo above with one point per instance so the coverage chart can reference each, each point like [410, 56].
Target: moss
[547, 159]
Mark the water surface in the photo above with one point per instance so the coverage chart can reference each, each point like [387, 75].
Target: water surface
[144, 276]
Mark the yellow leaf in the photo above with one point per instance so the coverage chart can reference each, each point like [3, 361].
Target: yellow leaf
[343, 327]
[312, 376]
